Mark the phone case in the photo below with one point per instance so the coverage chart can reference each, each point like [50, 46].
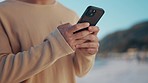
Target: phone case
[91, 15]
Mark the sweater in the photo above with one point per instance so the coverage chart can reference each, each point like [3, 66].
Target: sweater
[32, 50]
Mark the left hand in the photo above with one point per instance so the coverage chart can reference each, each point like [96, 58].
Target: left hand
[91, 44]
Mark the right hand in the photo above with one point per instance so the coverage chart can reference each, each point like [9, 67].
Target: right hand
[67, 30]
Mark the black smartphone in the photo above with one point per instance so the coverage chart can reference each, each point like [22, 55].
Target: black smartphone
[91, 15]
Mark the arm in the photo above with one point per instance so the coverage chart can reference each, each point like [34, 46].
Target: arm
[82, 60]
[85, 54]
[15, 68]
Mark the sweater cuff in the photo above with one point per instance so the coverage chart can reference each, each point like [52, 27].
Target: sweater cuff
[88, 57]
[62, 41]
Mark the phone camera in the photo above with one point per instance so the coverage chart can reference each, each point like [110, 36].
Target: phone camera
[91, 12]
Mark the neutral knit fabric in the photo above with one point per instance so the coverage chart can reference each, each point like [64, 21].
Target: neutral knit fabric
[32, 50]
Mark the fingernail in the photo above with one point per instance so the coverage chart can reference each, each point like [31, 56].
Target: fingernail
[87, 23]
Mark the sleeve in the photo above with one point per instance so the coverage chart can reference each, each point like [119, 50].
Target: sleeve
[15, 68]
[82, 62]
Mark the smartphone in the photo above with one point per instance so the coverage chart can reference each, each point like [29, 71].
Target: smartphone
[91, 15]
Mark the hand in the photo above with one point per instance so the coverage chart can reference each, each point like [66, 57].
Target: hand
[91, 45]
[67, 31]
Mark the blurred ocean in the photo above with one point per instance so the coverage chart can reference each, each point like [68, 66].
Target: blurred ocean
[117, 71]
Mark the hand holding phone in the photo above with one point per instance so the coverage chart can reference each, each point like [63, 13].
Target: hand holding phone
[91, 15]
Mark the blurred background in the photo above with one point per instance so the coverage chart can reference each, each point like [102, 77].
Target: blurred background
[123, 52]
[123, 55]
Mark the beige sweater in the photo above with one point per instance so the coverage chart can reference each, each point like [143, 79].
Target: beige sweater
[32, 50]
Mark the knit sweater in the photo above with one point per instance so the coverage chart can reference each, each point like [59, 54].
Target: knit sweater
[32, 50]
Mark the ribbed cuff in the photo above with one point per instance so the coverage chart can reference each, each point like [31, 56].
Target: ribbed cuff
[62, 41]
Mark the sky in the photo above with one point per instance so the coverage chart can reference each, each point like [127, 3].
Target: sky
[119, 14]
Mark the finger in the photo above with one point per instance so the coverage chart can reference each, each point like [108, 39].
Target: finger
[92, 50]
[91, 37]
[81, 41]
[73, 43]
[94, 29]
[81, 34]
[63, 26]
[88, 45]
[78, 27]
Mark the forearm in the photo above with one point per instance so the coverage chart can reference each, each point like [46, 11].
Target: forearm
[15, 68]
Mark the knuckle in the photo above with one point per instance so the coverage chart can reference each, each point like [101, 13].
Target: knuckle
[89, 44]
